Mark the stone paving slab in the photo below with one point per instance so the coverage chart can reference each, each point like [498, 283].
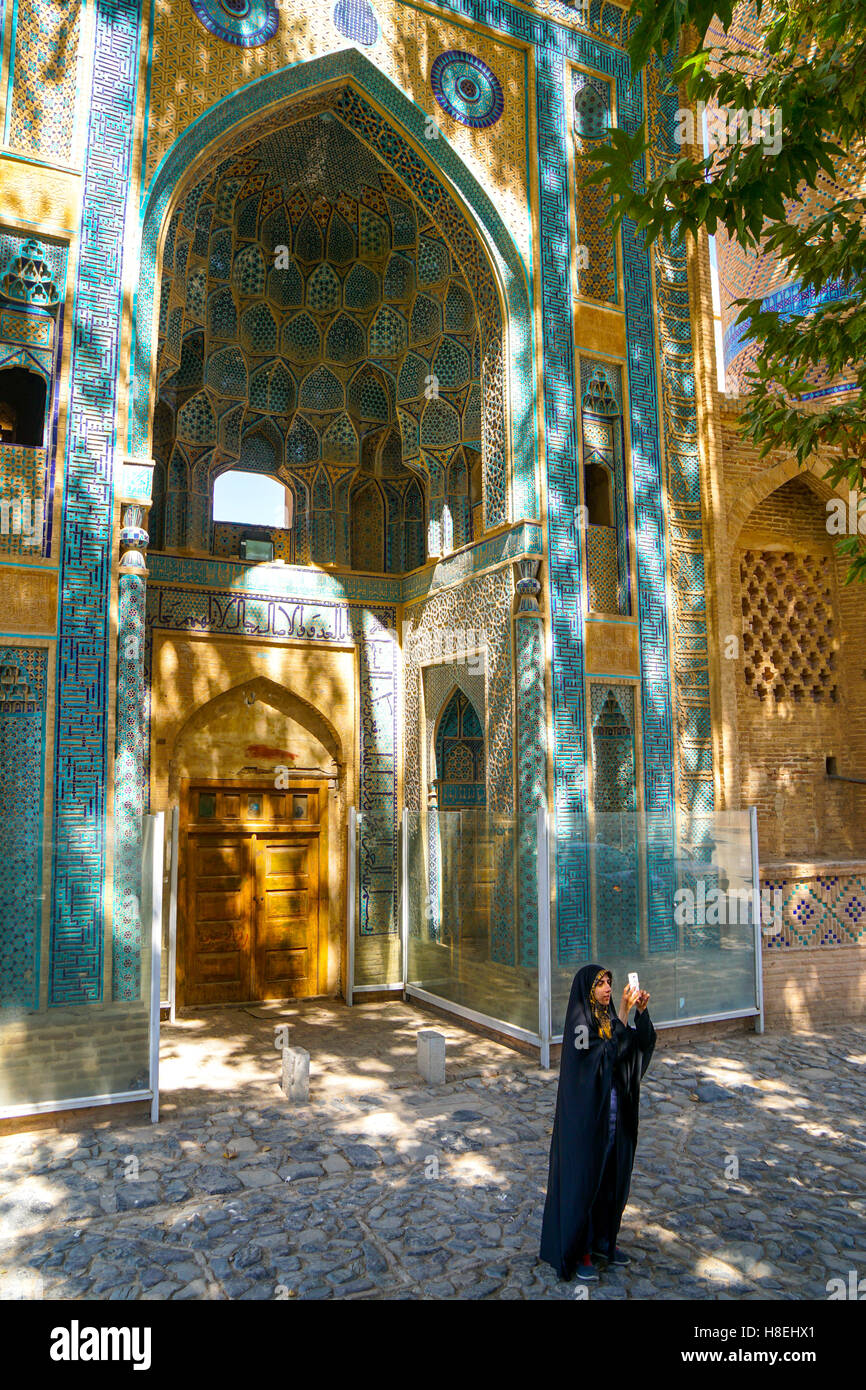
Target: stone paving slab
[748, 1183]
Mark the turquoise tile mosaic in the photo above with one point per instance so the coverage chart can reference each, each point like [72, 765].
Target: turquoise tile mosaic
[368, 104]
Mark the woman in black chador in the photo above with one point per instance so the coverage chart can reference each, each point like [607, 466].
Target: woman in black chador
[595, 1127]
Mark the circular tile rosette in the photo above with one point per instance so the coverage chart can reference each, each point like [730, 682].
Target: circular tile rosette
[247, 23]
[467, 89]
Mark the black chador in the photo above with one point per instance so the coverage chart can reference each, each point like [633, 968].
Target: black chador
[588, 1180]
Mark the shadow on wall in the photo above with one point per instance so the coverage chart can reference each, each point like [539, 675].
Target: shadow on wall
[809, 987]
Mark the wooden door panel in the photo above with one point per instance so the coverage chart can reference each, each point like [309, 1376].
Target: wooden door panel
[219, 906]
[287, 917]
[224, 860]
[286, 907]
[250, 894]
[222, 968]
[286, 965]
[286, 860]
[217, 936]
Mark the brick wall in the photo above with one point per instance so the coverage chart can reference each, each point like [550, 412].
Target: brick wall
[805, 634]
[66, 1053]
[814, 987]
[781, 741]
[814, 959]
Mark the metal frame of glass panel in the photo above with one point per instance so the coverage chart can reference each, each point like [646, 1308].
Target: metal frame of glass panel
[96, 1066]
[701, 972]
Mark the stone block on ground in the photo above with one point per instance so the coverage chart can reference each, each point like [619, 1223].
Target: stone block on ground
[296, 1074]
[431, 1055]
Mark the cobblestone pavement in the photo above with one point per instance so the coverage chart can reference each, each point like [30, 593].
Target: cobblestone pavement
[748, 1183]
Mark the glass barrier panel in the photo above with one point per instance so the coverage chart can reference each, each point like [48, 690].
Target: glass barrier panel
[378, 958]
[472, 937]
[675, 907]
[75, 1008]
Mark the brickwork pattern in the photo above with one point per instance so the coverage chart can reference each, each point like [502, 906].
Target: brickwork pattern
[788, 630]
[799, 628]
[76, 966]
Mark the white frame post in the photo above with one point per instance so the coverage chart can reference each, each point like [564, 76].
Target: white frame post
[404, 895]
[155, 832]
[756, 899]
[350, 906]
[172, 913]
[544, 956]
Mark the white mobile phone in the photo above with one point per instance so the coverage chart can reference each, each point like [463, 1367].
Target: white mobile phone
[633, 980]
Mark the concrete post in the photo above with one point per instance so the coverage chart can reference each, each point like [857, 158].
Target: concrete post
[431, 1055]
[296, 1074]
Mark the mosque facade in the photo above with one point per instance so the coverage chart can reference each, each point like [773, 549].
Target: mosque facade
[527, 561]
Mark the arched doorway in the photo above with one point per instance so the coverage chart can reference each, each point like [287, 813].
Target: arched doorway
[333, 314]
[252, 771]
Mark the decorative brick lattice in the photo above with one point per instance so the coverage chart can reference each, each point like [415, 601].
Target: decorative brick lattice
[22, 488]
[601, 568]
[788, 631]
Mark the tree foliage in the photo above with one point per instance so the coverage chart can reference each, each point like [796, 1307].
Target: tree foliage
[813, 70]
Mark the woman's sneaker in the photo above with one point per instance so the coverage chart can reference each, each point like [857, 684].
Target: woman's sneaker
[619, 1256]
[586, 1270]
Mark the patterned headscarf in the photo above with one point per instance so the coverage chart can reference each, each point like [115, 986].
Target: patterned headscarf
[601, 1012]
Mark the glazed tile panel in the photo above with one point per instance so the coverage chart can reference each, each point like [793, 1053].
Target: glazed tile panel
[82, 684]
[76, 965]
[23, 690]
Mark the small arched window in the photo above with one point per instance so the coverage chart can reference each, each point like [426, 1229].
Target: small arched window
[458, 502]
[413, 527]
[591, 115]
[460, 755]
[604, 492]
[599, 495]
[613, 750]
[322, 540]
[22, 408]
[252, 499]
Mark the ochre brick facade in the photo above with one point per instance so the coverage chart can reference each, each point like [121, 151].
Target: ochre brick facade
[814, 987]
[779, 745]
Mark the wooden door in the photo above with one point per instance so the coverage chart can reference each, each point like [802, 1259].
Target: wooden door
[286, 951]
[218, 919]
